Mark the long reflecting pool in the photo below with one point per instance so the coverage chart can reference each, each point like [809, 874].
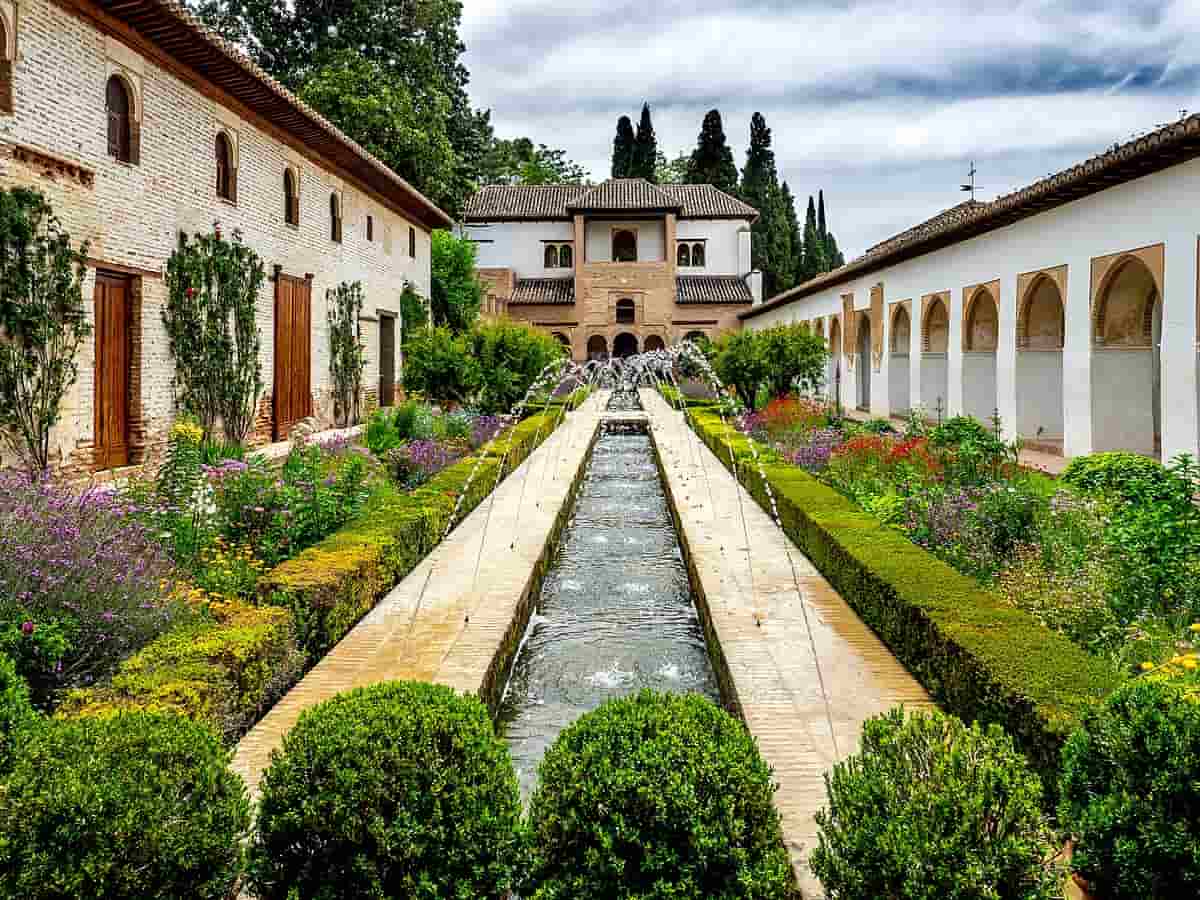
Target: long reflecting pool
[615, 613]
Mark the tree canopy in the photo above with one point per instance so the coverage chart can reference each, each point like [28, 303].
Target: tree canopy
[712, 160]
[645, 148]
[457, 292]
[623, 144]
[518, 161]
[771, 249]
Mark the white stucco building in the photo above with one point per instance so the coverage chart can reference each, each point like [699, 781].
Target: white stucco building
[1069, 307]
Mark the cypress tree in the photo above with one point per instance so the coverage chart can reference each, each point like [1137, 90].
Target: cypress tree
[821, 231]
[645, 148]
[771, 243]
[795, 236]
[712, 160]
[833, 256]
[814, 248]
[622, 156]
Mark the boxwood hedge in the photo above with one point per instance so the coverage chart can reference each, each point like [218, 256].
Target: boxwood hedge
[979, 657]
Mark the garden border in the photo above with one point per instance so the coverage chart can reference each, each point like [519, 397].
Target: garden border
[979, 658]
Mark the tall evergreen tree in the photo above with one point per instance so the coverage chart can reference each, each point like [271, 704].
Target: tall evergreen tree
[833, 256]
[712, 160]
[771, 244]
[814, 248]
[821, 230]
[623, 144]
[795, 235]
[645, 148]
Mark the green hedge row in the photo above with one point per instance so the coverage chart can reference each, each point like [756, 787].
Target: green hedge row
[227, 671]
[979, 657]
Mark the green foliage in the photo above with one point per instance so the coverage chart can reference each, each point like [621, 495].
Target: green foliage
[17, 716]
[457, 292]
[813, 261]
[644, 157]
[517, 161]
[179, 476]
[623, 148]
[42, 320]
[712, 160]
[347, 360]
[673, 171]
[382, 434]
[931, 808]
[135, 805]
[1129, 476]
[210, 317]
[1131, 792]
[400, 789]
[980, 658]
[794, 357]
[740, 364]
[438, 364]
[656, 795]
[773, 253]
[510, 356]
[414, 311]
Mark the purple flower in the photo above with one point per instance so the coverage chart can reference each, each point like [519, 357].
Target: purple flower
[27, 627]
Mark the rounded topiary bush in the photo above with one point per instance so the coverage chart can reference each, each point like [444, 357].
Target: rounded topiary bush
[17, 715]
[136, 805]
[931, 808]
[656, 795]
[394, 790]
[1118, 472]
[1130, 792]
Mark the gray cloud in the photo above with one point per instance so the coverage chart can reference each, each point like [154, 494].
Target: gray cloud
[879, 104]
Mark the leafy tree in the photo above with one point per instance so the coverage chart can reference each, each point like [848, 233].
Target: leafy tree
[645, 148]
[414, 311]
[793, 356]
[712, 160]
[671, 171]
[623, 144]
[517, 161]
[210, 318]
[406, 130]
[457, 292]
[740, 364]
[346, 358]
[771, 246]
[42, 322]
[438, 363]
[510, 356]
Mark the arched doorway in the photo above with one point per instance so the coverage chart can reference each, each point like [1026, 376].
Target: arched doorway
[980, 339]
[597, 348]
[900, 343]
[696, 337]
[1126, 388]
[935, 371]
[863, 362]
[834, 380]
[653, 342]
[625, 344]
[626, 311]
[562, 339]
[1040, 330]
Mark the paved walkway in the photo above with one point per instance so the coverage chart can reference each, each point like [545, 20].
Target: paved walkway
[772, 664]
[446, 622]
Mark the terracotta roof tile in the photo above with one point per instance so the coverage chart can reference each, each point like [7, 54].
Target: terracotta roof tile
[547, 291]
[712, 289]
[620, 194]
[531, 202]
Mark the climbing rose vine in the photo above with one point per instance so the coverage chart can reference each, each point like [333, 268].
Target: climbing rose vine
[346, 358]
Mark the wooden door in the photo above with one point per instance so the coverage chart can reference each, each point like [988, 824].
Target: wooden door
[293, 353]
[112, 372]
[387, 360]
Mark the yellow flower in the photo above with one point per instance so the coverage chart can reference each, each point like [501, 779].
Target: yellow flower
[1190, 663]
[1196, 628]
[1147, 666]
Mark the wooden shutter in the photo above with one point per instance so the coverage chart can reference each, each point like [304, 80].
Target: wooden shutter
[293, 353]
[111, 398]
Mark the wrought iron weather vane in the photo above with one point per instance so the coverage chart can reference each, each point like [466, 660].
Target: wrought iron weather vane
[970, 186]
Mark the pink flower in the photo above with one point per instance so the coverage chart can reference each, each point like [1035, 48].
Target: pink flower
[27, 627]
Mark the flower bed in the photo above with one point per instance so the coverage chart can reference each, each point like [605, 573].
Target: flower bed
[978, 655]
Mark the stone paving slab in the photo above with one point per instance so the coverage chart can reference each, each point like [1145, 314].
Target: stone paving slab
[450, 618]
[769, 611]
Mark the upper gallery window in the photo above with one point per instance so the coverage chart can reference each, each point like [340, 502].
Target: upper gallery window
[624, 245]
[291, 198]
[225, 170]
[120, 120]
[557, 256]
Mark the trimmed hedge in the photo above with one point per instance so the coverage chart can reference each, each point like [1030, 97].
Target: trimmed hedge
[17, 715]
[979, 657]
[224, 671]
[332, 585]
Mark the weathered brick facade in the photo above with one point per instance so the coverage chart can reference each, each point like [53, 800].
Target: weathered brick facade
[55, 140]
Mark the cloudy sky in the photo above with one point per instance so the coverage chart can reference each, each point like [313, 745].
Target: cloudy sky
[880, 104]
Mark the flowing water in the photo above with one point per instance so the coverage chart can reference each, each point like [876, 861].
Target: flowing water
[616, 612]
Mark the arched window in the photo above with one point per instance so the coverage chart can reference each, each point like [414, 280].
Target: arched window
[291, 198]
[6, 73]
[624, 246]
[120, 121]
[550, 260]
[564, 257]
[695, 337]
[224, 158]
[561, 338]
[683, 256]
[697, 254]
[412, 242]
[370, 229]
[626, 312]
[335, 219]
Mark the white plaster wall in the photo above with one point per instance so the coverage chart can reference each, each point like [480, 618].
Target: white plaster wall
[1040, 394]
[935, 384]
[651, 238]
[1157, 208]
[518, 245]
[1122, 416]
[979, 385]
[898, 383]
[721, 248]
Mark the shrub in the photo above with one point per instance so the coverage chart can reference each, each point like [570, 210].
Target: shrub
[1131, 792]
[395, 790]
[793, 356]
[438, 363]
[511, 356]
[657, 796]
[136, 805]
[17, 716]
[932, 808]
[1129, 476]
[741, 365]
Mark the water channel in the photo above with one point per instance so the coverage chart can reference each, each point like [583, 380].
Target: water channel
[616, 612]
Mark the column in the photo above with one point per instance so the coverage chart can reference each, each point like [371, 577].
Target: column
[1179, 357]
[954, 355]
[1006, 356]
[1077, 358]
[915, 345]
[881, 391]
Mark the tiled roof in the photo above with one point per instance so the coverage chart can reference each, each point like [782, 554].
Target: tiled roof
[168, 25]
[532, 202]
[712, 289]
[1167, 146]
[552, 291]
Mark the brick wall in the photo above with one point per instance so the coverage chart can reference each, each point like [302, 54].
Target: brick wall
[131, 214]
